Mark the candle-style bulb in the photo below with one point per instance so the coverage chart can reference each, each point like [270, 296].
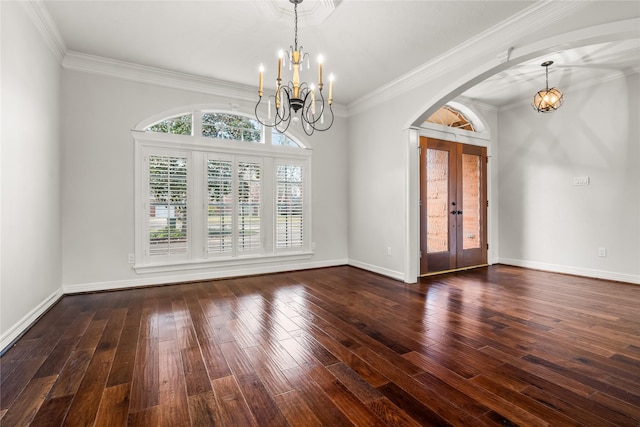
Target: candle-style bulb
[280, 55]
[331, 78]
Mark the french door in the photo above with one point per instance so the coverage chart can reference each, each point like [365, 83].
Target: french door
[453, 205]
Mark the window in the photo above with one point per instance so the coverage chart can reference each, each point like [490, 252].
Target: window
[231, 193]
[167, 205]
[289, 221]
[451, 117]
[220, 206]
[234, 222]
[231, 126]
[278, 138]
[180, 125]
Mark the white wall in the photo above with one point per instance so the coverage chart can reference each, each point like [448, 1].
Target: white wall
[31, 260]
[546, 221]
[98, 182]
[377, 195]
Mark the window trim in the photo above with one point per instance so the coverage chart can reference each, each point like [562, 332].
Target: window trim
[197, 149]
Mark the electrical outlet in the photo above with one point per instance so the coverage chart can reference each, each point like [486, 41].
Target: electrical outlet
[131, 259]
[602, 252]
[388, 250]
[313, 246]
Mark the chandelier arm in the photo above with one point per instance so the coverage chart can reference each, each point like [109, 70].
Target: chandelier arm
[256, 112]
[258, 117]
[322, 109]
[308, 130]
[284, 113]
[283, 130]
[331, 122]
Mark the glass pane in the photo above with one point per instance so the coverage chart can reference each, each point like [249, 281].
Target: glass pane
[249, 207]
[231, 126]
[278, 138]
[471, 199]
[180, 125]
[167, 205]
[451, 117]
[437, 200]
[220, 206]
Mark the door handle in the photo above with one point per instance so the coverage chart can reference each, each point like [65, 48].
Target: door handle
[456, 212]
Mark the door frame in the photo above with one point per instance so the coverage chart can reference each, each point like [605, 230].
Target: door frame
[411, 136]
[455, 257]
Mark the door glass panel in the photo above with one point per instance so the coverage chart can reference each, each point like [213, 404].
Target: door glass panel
[437, 200]
[471, 201]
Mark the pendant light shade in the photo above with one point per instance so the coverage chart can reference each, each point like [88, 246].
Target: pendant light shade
[548, 99]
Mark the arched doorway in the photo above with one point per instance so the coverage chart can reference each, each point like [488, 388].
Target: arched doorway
[513, 56]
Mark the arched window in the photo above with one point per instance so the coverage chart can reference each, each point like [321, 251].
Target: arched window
[179, 125]
[220, 125]
[448, 116]
[216, 187]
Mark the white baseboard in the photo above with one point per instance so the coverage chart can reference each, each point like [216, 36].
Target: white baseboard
[398, 275]
[19, 328]
[578, 271]
[189, 277]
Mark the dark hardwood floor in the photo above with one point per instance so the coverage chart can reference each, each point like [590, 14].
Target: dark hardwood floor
[333, 347]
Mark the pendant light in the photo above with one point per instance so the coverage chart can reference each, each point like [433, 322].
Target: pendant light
[547, 100]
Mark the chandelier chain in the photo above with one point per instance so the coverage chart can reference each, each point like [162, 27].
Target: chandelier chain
[295, 11]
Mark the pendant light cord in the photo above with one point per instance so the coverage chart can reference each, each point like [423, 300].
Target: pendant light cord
[547, 69]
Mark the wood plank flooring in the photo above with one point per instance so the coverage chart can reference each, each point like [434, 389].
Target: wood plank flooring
[335, 347]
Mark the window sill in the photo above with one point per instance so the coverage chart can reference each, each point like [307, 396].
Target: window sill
[221, 262]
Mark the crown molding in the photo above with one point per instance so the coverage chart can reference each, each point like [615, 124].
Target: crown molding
[99, 65]
[485, 45]
[41, 19]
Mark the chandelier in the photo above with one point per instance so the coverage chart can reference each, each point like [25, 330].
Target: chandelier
[547, 100]
[296, 101]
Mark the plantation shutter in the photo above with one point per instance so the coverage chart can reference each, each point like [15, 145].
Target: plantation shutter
[168, 216]
[289, 208]
[249, 205]
[220, 206]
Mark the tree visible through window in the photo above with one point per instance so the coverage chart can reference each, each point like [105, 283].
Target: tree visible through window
[230, 126]
[180, 125]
